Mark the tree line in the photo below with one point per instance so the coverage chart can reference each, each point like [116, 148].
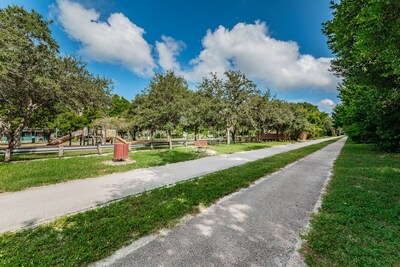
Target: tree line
[365, 37]
[226, 104]
[40, 87]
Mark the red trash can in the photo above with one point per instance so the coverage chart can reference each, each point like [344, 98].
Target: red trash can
[120, 151]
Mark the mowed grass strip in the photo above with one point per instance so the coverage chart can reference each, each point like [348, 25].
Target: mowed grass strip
[92, 235]
[21, 175]
[359, 221]
[238, 147]
[27, 157]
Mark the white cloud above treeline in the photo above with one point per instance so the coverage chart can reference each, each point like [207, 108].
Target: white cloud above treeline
[116, 41]
[326, 105]
[167, 51]
[247, 47]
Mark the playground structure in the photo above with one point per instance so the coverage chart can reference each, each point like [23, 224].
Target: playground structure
[88, 136]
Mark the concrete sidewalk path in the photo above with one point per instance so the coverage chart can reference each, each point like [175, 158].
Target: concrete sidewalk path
[258, 226]
[37, 205]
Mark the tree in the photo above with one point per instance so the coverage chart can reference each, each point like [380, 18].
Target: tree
[134, 115]
[70, 122]
[164, 102]
[211, 91]
[364, 36]
[299, 124]
[228, 98]
[281, 117]
[319, 123]
[34, 77]
[118, 106]
[258, 112]
[197, 114]
[237, 89]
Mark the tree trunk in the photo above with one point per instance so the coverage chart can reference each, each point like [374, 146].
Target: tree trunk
[134, 135]
[228, 135]
[10, 147]
[234, 135]
[195, 133]
[169, 139]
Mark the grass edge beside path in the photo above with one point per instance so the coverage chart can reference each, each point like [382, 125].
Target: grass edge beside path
[95, 234]
[23, 175]
[17, 176]
[358, 223]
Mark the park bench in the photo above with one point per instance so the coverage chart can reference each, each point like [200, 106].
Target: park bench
[201, 144]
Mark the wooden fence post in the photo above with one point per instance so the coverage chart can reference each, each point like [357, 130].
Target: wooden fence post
[7, 155]
[99, 148]
[60, 151]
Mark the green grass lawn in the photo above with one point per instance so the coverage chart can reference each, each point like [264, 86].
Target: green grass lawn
[221, 149]
[359, 221]
[233, 148]
[21, 175]
[92, 235]
[26, 157]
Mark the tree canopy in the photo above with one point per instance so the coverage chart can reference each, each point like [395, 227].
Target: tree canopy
[364, 36]
[34, 77]
[229, 97]
[118, 105]
[163, 103]
[219, 105]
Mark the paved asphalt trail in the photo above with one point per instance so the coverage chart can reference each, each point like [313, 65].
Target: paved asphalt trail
[258, 226]
[36, 205]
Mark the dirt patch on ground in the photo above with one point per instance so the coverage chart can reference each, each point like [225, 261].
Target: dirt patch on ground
[119, 162]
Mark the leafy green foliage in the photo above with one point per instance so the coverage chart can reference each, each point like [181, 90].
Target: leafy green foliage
[118, 106]
[358, 223]
[258, 112]
[200, 113]
[35, 78]
[364, 35]
[224, 105]
[163, 104]
[319, 123]
[228, 98]
[69, 122]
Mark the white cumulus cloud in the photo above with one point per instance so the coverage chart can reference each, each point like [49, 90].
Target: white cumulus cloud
[250, 48]
[168, 50]
[326, 105]
[117, 40]
[246, 47]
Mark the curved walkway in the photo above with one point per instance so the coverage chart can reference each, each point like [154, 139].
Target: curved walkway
[258, 226]
[37, 205]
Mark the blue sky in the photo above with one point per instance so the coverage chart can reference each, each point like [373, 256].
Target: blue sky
[278, 44]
